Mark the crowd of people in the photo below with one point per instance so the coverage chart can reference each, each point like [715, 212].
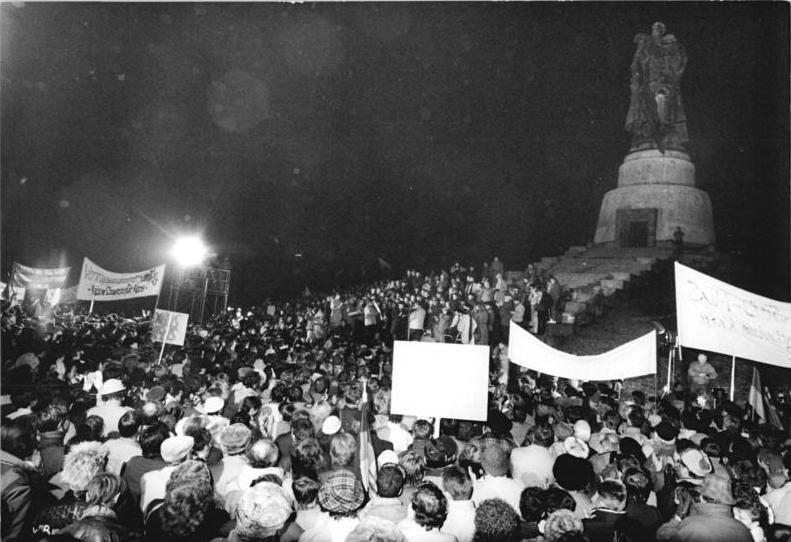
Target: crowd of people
[256, 430]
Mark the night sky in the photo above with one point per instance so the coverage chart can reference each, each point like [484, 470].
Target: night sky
[342, 132]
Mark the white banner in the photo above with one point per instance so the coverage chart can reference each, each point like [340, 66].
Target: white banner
[440, 380]
[169, 327]
[713, 315]
[36, 278]
[635, 358]
[97, 284]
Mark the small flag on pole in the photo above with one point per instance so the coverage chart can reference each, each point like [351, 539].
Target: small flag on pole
[756, 398]
[367, 455]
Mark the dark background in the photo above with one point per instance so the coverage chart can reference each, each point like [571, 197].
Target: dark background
[421, 133]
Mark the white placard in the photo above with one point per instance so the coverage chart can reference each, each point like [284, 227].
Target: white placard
[169, 327]
[713, 315]
[440, 380]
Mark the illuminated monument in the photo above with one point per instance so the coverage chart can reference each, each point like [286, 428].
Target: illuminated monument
[656, 183]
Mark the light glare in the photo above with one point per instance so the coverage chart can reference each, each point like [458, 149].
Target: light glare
[189, 251]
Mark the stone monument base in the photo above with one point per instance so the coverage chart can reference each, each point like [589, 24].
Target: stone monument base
[656, 194]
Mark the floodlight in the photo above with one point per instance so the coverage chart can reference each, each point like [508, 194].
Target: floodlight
[189, 251]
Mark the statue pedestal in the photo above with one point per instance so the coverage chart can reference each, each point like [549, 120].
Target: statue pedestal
[656, 193]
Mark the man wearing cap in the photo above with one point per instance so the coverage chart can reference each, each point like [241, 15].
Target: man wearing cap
[262, 515]
[709, 520]
[152, 485]
[111, 393]
[233, 442]
[700, 373]
[341, 496]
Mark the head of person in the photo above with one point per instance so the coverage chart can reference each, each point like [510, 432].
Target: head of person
[495, 461]
[189, 495]
[610, 495]
[53, 418]
[113, 391]
[533, 503]
[18, 438]
[262, 513]
[430, 506]
[302, 429]
[234, 439]
[638, 485]
[307, 457]
[414, 467]
[572, 473]
[423, 429]
[306, 491]
[176, 449]
[104, 489]
[543, 435]
[263, 453]
[341, 495]
[559, 523]
[390, 480]
[83, 462]
[496, 521]
[457, 483]
[151, 439]
[559, 499]
[375, 529]
[342, 449]
[129, 424]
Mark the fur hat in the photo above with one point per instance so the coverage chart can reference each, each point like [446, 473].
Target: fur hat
[717, 489]
[84, 461]
[262, 511]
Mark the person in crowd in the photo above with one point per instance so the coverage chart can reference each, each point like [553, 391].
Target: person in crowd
[174, 451]
[386, 503]
[341, 496]
[561, 523]
[125, 447]
[374, 529]
[457, 485]
[496, 483]
[23, 490]
[188, 512]
[84, 461]
[496, 521]
[151, 439]
[112, 394]
[99, 520]
[532, 464]
[709, 517]
[427, 514]
[262, 515]
[701, 374]
[52, 424]
[234, 440]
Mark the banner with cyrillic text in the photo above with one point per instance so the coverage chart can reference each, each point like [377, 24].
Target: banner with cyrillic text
[36, 278]
[716, 316]
[440, 380]
[169, 327]
[632, 359]
[97, 284]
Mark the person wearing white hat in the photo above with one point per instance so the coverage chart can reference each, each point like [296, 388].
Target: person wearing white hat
[175, 450]
[112, 393]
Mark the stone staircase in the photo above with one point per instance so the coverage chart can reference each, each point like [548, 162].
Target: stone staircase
[593, 274]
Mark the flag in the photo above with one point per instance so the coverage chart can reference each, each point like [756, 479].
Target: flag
[367, 455]
[756, 398]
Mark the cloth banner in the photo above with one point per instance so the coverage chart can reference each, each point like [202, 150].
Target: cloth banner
[34, 278]
[68, 296]
[756, 396]
[440, 380]
[169, 327]
[3, 286]
[635, 358]
[16, 294]
[716, 316]
[97, 284]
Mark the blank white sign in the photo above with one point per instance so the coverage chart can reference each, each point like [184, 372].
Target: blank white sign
[440, 380]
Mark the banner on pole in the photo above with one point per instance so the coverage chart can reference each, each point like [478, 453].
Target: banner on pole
[635, 358]
[68, 296]
[35, 278]
[97, 284]
[169, 327]
[716, 316]
[440, 380]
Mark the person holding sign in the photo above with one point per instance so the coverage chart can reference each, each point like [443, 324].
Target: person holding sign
[701, 373]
